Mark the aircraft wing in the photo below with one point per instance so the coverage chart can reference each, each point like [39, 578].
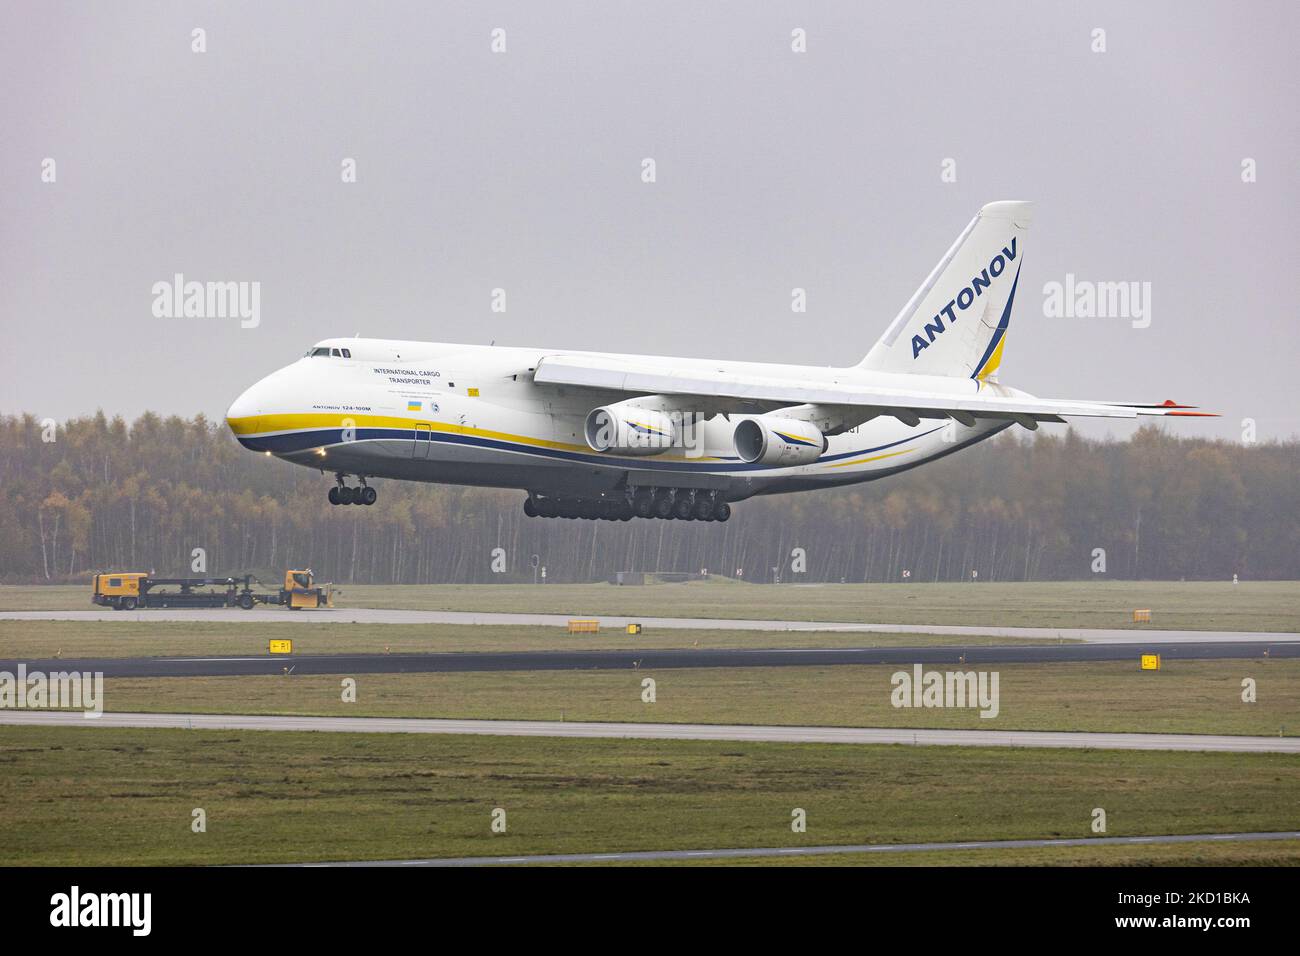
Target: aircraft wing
[723, 391]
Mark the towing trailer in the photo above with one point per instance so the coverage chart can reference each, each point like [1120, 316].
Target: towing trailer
[129, 590]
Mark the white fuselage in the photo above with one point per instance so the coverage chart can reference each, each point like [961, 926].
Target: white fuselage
[473, 415]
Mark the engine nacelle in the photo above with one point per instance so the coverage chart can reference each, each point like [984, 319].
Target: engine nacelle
[625, 429]
[778, 441]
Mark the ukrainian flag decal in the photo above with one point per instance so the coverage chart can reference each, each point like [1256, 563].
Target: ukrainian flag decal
[414, 406]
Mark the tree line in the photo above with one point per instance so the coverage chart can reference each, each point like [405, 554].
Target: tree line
[96, 493]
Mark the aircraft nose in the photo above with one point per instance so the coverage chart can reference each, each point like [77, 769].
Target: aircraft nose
[242, 407]
[242, 415]
[245, 406]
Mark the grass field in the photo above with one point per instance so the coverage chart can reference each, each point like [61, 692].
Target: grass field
[1200, 605]
[107, 796]
[1264, 606]
[41, 639]
[112, 796]
[1187, 697]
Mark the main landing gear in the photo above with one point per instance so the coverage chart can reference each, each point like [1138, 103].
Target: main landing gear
[681, 504]
[361, 495]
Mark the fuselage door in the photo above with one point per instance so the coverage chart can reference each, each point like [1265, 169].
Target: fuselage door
[423, 440]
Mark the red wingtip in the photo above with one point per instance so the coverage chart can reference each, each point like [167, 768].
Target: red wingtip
[1193, 414]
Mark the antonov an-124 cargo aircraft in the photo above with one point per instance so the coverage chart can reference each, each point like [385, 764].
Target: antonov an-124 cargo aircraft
[605, 435]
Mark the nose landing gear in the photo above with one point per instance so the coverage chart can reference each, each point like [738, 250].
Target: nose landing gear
[361, 495]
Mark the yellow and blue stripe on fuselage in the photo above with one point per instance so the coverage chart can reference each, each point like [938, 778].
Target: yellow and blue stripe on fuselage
[292, 434]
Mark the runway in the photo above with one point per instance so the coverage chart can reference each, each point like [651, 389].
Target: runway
[650, 856]
[615, 622]
[648, 659]
[631, 731]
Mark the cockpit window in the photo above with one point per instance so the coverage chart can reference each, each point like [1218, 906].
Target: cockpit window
[347, 353]
[316, 353]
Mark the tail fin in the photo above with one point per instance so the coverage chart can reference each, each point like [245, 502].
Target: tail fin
[956, 323]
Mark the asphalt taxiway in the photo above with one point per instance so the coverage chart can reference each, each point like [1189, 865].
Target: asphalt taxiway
[665, 731]
[615, 622]
[660, 659]
[732, 853]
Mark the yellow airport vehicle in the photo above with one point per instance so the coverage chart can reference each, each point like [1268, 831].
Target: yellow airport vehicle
[584, 626]
[129, 590]
[300, 591]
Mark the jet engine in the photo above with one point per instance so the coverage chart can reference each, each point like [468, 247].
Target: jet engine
[778, 441]
[627, 429]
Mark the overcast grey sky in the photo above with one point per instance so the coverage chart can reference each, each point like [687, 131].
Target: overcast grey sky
[522, 170]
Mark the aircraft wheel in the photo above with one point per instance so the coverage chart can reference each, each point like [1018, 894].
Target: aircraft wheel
[703, 509]
[334, 495]
[368, 495]
[345, 495]
[530, 509]
[682, 509]
[547, 508]
[643, 506]
[663, 507]
[721, 511]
